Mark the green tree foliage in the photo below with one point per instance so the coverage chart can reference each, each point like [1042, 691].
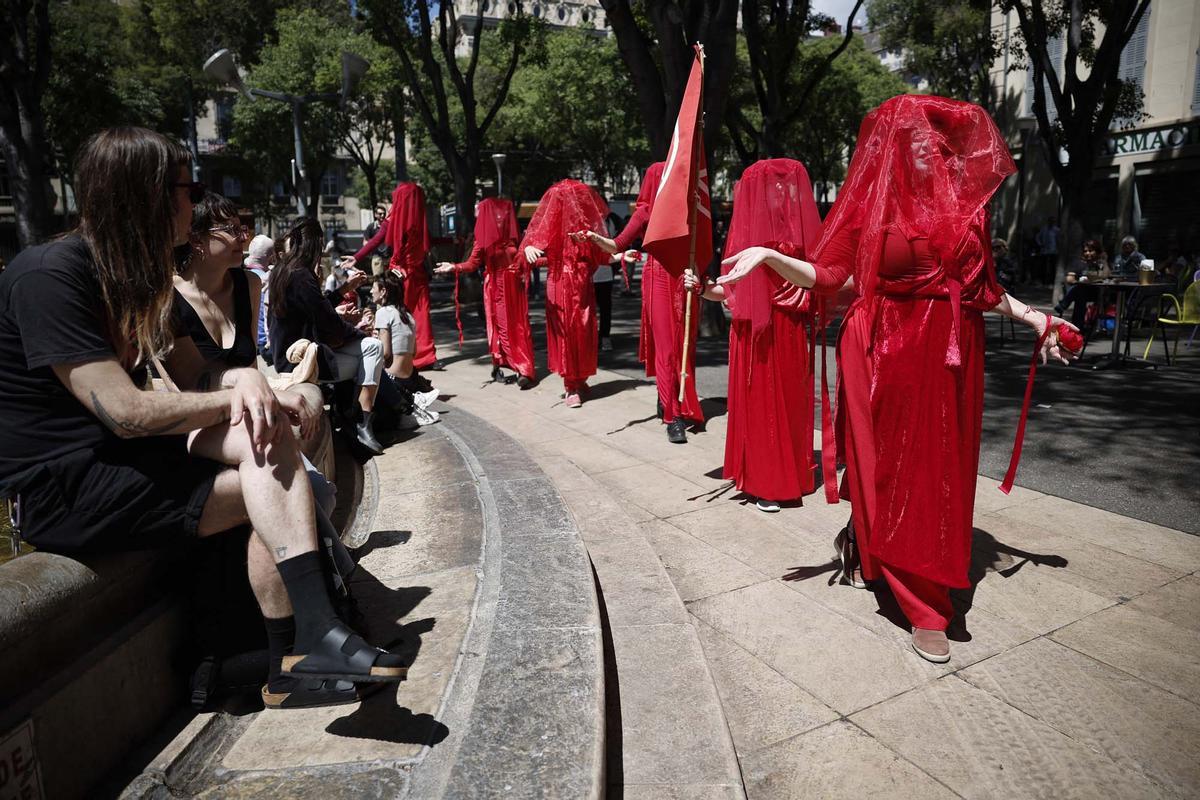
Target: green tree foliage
[949, 43]
[824, 137]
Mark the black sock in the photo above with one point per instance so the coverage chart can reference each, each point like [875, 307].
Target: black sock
[281, 634]
[304, 578]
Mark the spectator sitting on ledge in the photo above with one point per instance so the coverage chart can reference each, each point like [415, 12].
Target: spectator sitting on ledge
[99, 465]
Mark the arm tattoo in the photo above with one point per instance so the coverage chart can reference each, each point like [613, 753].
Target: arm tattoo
[118, 426]
[281, 552]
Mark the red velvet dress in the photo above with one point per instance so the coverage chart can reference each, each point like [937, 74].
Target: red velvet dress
[572, 332]
[769, 437]
[407, 232]
[908, 421]
[505, 303]
[660, 346]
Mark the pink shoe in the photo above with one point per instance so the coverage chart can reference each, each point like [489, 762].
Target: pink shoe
[931, 645]
[573, 400]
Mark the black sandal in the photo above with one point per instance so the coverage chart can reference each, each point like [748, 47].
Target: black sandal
[312, 693]
[343, 655]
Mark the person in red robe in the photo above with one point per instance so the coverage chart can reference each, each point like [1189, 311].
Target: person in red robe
[505, 289]
[769, 439]
[406, 231]
[910, 227]
[554, 240]
[660, 347]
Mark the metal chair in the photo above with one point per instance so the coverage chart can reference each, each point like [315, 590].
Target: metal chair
[1187, 312]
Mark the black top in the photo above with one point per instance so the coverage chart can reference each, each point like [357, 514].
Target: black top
[243, 352]
[51, 312]
[309, 316]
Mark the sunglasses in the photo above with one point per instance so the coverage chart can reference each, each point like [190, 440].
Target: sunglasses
[196, 190]
[236, 229]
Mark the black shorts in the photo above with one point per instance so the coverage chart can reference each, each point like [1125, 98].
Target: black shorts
[134, 494]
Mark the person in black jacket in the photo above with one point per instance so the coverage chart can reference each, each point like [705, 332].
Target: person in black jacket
[299, 310]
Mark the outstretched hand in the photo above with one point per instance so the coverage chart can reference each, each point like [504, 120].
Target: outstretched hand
[443, 268]
[744, 263]
[1052, 345]
[532, 254]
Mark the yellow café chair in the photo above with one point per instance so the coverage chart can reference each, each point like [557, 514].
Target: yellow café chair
[1186, 313]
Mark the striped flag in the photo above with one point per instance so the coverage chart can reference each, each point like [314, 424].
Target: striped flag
[669, 235]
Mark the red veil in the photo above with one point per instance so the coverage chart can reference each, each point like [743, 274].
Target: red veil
[773, 206]
[407, 226]
[925, 164]
[650, 181]
[567, 207]
[495, 221]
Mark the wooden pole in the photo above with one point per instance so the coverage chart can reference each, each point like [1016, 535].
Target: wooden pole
[697, 141]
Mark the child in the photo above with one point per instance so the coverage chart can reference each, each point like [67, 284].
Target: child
[396, 331]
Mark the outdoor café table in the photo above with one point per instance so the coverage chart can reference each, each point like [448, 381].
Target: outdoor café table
[1122, 289]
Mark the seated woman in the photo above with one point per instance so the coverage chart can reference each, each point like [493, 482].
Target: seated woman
[1079, 291]
[300, 312]
[395, 329]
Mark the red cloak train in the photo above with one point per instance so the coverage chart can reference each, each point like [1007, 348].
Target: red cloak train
[567, 207]
[660, 346]
[910, 225]
[505, 282]
[769, 439]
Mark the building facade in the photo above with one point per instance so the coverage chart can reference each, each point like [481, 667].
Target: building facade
[1147, 177]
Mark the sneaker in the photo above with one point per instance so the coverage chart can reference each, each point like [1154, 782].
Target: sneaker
[675, 431]
[931, 645]
[425, 399]
[574, 400]
[408, 422]
[426, 417]
[606, 344]
[769, 506]
[438, 365]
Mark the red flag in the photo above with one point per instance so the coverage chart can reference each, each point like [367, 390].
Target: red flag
[668, 235]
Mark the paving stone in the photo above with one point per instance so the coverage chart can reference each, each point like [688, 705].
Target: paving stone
[672, 728]
[587, 453]
[761, 706]
[1034, 600]
[652, 488]
[1177, 602]
[695, 568]
[424, 531]
[644, 438]
[1138, 726]
[1086, 565]
[1154, 649]
[508, 751]
[818, 650]
[312, 785]
[542, 584]
[531, 507]
[989, 498]
[835, 761]
[740, 533]
[690, 791]
[600, 517]
[427, 461]
[1133, 537]
[981, 747]
[636, 588]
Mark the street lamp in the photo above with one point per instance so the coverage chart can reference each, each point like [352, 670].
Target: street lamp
[221, 67]
[499, 159]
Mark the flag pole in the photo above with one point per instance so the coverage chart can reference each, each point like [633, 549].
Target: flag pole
[694, 200]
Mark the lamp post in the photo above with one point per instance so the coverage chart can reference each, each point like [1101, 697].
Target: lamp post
[499, 159]
[221, 67]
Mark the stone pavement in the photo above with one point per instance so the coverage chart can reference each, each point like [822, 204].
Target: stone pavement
[737, 667]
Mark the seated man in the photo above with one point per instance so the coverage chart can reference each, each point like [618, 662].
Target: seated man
[101, 465]
[1125, 265]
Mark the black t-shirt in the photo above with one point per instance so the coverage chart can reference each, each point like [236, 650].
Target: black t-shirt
[243, 352]
[51, 312]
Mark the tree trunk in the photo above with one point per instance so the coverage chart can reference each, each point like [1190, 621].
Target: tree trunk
[400, 128]
[372, 186]
[464, 199]
[24, 155]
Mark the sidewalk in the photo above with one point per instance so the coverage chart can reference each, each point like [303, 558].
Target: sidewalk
[1075, 665]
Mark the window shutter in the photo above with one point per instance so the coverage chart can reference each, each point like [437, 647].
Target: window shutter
[1133, 60]
[1054, 50]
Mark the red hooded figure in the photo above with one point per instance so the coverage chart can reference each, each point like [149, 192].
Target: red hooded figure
[769, 441]
[910, 226]
[406, 231]
[505, 282]
[660, 347]
[571, 331]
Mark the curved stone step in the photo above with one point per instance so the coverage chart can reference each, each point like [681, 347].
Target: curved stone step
[470, 551]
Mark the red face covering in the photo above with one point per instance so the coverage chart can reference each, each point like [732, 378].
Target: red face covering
[566, 207]
[495, 221]
[773, 206]
[407, 227]
[924, 165]
[650, 183]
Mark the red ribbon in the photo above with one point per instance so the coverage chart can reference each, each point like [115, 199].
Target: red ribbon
[1011, 475]
[828, 440]
[457, 313]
